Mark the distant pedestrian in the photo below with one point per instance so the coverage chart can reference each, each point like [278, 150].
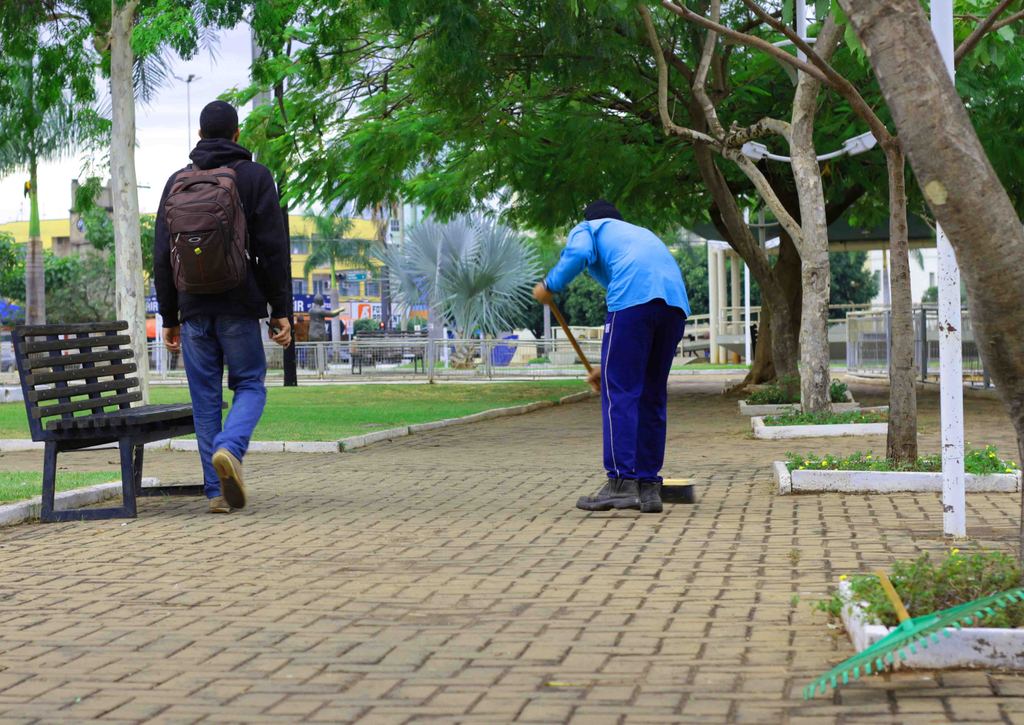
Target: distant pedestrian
[221, 257]
[647, 311]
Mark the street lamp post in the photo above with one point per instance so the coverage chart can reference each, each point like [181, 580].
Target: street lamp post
[188, 104]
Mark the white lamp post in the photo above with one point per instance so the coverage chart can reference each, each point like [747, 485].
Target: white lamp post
[951, 392]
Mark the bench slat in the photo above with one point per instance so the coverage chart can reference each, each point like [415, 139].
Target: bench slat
[90, 404]
[75, 343]
[88, 389]
[71, 329]
[145, 414]
[49, 361]
[98, 371]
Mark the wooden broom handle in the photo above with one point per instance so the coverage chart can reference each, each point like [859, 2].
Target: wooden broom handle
[565, 328]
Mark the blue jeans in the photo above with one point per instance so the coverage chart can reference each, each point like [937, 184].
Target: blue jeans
[208, 343]
[636, 357]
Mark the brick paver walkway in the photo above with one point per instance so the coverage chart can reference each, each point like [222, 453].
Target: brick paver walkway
[448, 576]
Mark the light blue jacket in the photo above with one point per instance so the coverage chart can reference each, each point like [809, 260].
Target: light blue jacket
[628, 261]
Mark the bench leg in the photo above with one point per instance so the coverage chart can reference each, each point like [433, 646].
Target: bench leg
[49, 481]
[130, 477]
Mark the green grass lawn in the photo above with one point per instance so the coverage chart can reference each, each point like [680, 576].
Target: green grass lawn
[329, 412]
[18, 485]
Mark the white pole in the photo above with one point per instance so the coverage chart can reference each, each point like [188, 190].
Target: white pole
[747, 354]
[723, 302]
[951, 391]
[712, 304]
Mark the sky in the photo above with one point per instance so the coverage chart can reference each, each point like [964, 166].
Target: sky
[163, 141]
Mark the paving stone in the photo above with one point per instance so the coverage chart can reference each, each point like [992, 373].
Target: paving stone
[448, 576]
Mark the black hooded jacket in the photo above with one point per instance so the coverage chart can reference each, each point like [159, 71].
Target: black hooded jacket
[270, 271]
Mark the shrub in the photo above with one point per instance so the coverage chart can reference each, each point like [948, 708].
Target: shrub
[927, 587]
[786, 391]
[977, 460]
[827, 418]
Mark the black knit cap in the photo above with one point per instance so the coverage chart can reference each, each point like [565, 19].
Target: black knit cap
[601, 209]
[218, 120]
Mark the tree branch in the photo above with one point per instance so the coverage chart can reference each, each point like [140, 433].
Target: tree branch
[980, 31]
[700, 80]
[745, 39]
[1008, 21]
[669, 125]
[738, 136]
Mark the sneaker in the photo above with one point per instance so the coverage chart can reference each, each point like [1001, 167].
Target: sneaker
[219, 506]
[618, 493]
[229, 471]
[650, 497]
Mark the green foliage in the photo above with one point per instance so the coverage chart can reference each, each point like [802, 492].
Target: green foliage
[583, 302]
[472, 271]
[852, 283]
[366, 324]
[329, 247]
[786, 391]
[99, 231]
[827, 418]
[926, 586]
[979, 461]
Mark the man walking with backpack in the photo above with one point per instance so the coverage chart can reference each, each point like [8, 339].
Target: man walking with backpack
[221, 257]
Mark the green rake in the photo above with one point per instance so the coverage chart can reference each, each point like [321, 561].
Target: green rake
[909, 634]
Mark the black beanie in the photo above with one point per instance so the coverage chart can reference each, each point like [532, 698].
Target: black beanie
[218, 120]
[601, 209]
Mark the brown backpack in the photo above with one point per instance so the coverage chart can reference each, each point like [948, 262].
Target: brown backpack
[209, 239]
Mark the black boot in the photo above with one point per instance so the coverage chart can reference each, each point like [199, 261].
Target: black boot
[650, 497]
[618, 493]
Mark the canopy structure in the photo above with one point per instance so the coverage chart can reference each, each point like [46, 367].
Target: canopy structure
[842, 236]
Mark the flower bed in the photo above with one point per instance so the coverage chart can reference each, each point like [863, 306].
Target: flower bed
[926, 587]
[784, 397]
[868, 421]
[859, 472]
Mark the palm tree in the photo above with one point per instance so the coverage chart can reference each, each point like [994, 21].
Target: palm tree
[329, 247]
[471, 271]
[39, 125]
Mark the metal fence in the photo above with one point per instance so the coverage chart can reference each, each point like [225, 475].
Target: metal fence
[869, 337]
[419, 359]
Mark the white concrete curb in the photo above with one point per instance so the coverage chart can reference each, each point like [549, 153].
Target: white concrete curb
[345, 444]
[885, 481]
[781, 432]
[11, 394]
[19, 511]
[985, 647]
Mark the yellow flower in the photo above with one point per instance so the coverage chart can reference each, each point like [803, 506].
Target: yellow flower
[801, 468]
[842, 577]
[954, 552]
[824, 463]
[991, 455]
[868, 458]
[1009, 470]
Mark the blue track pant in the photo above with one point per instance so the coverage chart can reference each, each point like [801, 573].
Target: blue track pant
[636, 357]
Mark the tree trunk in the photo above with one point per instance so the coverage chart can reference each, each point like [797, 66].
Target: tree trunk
[814, 263]
[131, 299]
[815, 374]
[784, 345]
[959, 184]
[902, 439]
[35, 274]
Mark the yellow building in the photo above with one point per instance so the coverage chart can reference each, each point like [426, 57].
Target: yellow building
[365, 286]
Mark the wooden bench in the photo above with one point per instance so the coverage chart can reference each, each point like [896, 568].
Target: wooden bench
[78, 388]
[374, 352]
